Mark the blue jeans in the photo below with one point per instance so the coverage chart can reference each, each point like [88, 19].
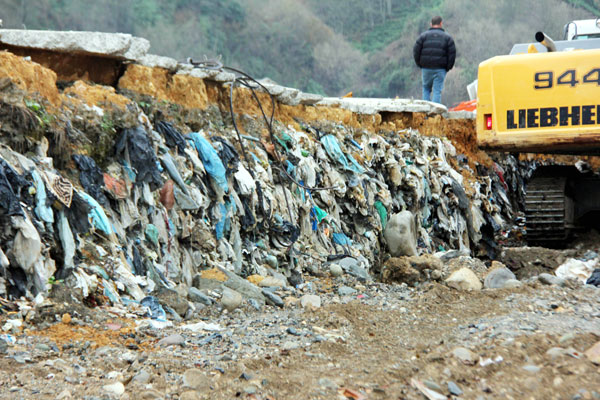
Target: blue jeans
[433, 79]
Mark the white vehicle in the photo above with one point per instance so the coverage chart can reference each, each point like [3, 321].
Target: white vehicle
[582, 29]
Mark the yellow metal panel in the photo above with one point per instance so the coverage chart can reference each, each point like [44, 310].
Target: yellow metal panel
[541, 102]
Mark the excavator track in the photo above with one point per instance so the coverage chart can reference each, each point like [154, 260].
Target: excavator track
[546, 210]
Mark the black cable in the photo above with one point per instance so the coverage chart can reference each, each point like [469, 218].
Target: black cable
[244, 80]
[269, 121]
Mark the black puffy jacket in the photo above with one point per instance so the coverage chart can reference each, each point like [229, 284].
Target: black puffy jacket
[435, 49]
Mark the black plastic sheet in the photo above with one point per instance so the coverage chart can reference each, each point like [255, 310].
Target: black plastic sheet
[11, 184]
[595, 278]
[142, 156]
[91, 177]
[172, 136]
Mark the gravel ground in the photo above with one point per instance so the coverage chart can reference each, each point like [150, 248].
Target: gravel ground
[380, 341]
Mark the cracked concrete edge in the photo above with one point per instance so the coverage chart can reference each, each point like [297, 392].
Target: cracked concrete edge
[117, 45]
[373, 105]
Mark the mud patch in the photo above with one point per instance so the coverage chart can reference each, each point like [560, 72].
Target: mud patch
[526, 262]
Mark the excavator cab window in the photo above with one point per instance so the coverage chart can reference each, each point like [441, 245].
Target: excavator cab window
[584, 37]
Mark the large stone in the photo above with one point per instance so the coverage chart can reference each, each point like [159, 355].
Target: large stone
[216, 75]
[191, 395]
[142, 377]
[465, 355]
[335, 270]
[448, 255]
[400, 234]
[172, 340]
[271, 281]
[273, 299]
[171, 298]
[310, 301]
[474, 264]
[346, 291]
[309, 99]
[460, 115]
[150, 394]
[464, 279]
[197, 296]
[373, 105]
[352, 266]
[231, 299]
[549, 279]
[219, 277]
[497, 277]
[512, 284]
[289, 96]
[115, 389]
[272, 87]
[115, 45]
[593, 353]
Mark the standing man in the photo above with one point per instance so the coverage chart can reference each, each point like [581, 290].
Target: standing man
[434, 53]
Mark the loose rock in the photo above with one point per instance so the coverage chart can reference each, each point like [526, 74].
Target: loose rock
[116, 389]
[464, 279]
[310, 301]
[231, 299]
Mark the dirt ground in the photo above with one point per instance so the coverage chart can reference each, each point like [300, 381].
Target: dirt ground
[377, 345]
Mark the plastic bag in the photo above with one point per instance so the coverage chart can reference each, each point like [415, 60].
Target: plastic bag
[91, 177]
[134, 145]
[211, 160]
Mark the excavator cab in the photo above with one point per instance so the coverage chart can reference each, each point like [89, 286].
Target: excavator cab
[582, 29]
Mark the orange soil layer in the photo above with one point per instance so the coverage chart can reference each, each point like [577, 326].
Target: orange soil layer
[29, 76]
[61, 333]
[214, 274]
[195, 93]
[94, 95]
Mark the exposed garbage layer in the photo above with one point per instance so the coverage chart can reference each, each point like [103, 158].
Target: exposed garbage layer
[122, 197]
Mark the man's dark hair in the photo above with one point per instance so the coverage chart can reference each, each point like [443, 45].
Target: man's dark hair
[436, 20]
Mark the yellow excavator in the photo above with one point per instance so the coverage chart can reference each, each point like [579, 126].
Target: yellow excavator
[544, 97]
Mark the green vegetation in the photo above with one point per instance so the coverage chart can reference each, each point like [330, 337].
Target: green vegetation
[44, 119]
[322, 46]
[53, 281]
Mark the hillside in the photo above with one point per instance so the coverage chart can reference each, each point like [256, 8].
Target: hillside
[314, 45]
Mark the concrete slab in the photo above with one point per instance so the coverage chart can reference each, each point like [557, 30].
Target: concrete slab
[373, 106]
[153, 61]
[117, 45]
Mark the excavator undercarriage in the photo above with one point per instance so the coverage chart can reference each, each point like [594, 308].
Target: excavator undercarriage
[560, 200]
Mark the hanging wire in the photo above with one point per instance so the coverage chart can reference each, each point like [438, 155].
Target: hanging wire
[249, 82]
[245, 80]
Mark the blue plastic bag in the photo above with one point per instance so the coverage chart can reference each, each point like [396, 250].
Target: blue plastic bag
[97, 215]
[211, 160]
[157, 312]
[335, 151]
[341, 239]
